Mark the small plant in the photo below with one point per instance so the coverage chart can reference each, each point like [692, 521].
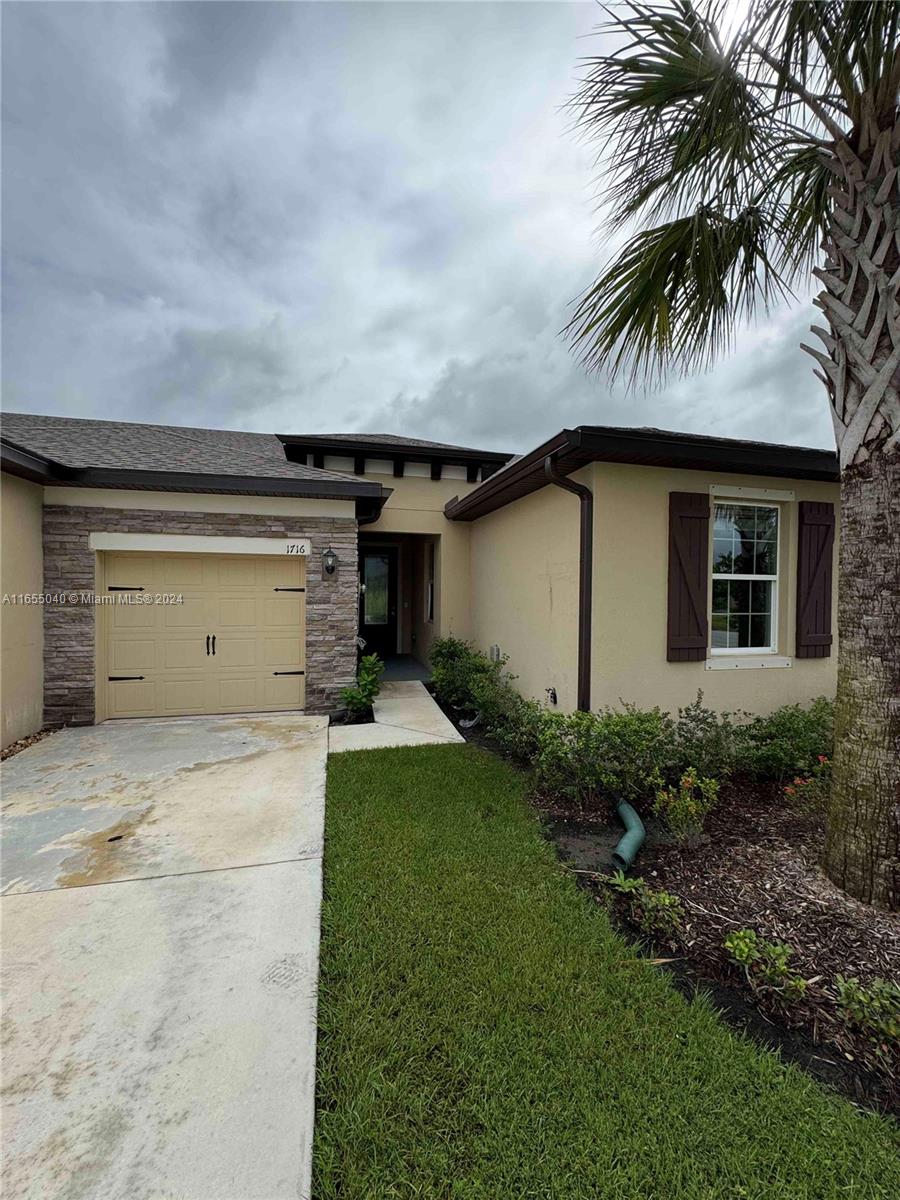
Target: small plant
[358, 700]
[810, 793]
[766, 965]
[684, 807]
[657, 912]
[874, 1008]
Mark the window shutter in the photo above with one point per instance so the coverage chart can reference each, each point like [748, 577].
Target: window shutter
[688, 627]
[814, 579]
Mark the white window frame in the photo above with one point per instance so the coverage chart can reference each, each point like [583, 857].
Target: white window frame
[740, 651]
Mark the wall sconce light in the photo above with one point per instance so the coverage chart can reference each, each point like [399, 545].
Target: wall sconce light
[329, 561]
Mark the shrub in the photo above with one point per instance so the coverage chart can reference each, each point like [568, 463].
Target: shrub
[592, 758]
[810, 793]
[766, 965]
[706, 740]
[514, 722]
[655, 911]
[684, 807]
[456, 668]
[873, 1009]
[358, 700]
[788, 742]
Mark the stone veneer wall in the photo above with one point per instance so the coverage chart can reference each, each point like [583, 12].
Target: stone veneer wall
[332, 613]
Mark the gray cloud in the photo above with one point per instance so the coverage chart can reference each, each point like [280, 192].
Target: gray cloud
[323, 217]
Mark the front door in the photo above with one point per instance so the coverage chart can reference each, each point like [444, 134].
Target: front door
[378, 601]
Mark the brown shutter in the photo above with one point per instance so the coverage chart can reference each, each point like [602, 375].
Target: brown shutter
[814, 570]
[688, 628]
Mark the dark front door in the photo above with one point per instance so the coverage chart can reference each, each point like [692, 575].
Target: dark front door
[378, 602]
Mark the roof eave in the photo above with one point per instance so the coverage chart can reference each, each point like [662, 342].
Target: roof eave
[347, 448]
[574, 448]
[192, 481]
[16, 460]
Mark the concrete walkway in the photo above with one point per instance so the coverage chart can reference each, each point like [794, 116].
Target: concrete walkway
[405, 715]
[160, 932]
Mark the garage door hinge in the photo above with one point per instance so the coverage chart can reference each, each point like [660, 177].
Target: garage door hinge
[288, 672]
[288, 589]
[118, 678]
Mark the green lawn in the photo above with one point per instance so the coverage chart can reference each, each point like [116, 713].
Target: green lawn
[484, 1033]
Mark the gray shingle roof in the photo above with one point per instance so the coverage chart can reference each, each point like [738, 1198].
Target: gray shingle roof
[130, 446]
[391, 440]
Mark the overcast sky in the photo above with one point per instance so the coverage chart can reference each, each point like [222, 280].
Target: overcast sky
[325, 217]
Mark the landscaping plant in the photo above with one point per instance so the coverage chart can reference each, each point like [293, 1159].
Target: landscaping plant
[766, 965]
[788, 742]
[809, 793]
[684, 806]
[655, 911]
[706, 740]
[873, 1008]
[598, 759]
[358, 700]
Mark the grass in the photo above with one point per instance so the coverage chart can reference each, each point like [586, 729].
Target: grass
[484, 1032]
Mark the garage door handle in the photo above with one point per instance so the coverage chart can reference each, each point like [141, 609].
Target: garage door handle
[207, 645]
[288, 672]
[214, 645]
[119, 678]
[288, 589]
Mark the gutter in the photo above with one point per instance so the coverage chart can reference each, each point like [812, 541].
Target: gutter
[585, 577]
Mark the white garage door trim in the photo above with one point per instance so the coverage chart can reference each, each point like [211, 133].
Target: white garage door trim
[189, 543]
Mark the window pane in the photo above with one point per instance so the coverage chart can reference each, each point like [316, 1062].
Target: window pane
[765, 558]
[739, 596]
[723, 557]
[719, 631]
[719, 595]
[375, 601]
[760, 630]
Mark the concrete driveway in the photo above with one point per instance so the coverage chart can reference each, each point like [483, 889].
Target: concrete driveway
[160, 931]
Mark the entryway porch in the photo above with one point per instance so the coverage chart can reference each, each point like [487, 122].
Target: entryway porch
[398, 603]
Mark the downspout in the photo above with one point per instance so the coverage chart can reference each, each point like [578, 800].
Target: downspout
[633, 838]
[585, 577]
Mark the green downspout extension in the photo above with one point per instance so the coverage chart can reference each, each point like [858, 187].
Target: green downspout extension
[632, 839]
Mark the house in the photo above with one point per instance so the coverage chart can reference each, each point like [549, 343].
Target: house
[160, 571]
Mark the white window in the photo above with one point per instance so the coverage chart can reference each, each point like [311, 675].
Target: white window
[745, 578]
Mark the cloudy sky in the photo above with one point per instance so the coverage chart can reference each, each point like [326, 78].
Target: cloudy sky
[322, 217]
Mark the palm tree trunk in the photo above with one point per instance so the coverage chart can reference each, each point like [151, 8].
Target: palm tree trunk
[862, 374]
[862, 850]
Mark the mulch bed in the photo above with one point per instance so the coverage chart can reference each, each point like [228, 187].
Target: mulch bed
[757, 867]
[760, 870]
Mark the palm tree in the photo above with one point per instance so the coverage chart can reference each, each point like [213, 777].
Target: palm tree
[747, 165]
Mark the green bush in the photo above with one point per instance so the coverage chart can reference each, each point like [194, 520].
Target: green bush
[456, 668]
[358, 700]
[766, 965]
[655, 911]
[514, 722]
[810, 793]
[598, 759]
[684, 806]
[788, 742]
[874, 1009]
[706, 740]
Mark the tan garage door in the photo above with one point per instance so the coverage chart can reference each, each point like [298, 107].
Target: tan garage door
[235, 642]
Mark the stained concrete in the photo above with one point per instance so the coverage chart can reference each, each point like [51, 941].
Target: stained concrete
[160, 990]
[404, 715]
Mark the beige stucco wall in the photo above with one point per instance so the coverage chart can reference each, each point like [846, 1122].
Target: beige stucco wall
[631, 506]
[524, 594]
[21, 626]
[416, 505]
[524, 590]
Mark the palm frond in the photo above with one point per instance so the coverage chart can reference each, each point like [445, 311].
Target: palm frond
[674, 295]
